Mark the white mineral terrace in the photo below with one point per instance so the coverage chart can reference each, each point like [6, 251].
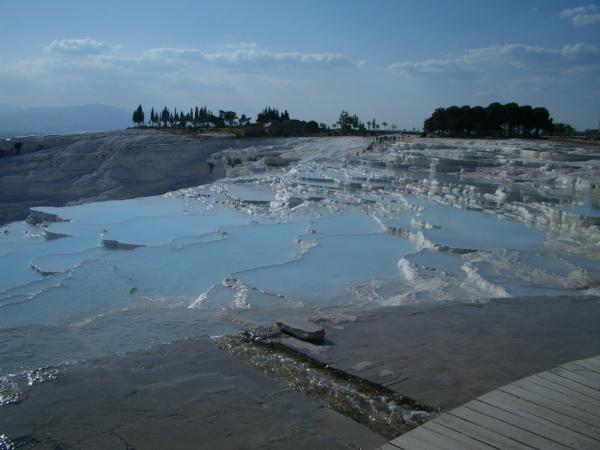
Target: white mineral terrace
[327, 231]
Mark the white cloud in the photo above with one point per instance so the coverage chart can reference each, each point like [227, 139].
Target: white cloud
[78, 47]
[248, 54]
[433, 67]
[94, 63]
[582, 15]
[578, 11]
[242, 57]
[586, 19]
[523, 56]
[84, 70]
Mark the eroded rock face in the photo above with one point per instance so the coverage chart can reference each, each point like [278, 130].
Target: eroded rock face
[81, 168]
[58, 170]
[292, 202]
[36, 217]
[116, 245]
[50, 235]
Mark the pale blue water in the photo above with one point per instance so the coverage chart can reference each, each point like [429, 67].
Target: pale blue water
[467, 229]
[28, 244]
[329, 269]
[162, 230]
[186, 272]
[352, 223]
[203, 260]
[251, 192]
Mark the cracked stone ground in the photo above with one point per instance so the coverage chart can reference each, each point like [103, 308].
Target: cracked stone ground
[184, 395]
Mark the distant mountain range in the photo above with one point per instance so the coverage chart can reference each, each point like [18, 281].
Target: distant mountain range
[64, 119]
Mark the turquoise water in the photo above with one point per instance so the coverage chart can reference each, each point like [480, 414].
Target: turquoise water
[223, 259]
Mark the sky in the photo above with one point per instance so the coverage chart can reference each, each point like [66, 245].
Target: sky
[392, 60]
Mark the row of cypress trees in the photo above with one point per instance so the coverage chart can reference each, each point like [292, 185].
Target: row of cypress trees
[196, 117]
[203, 117]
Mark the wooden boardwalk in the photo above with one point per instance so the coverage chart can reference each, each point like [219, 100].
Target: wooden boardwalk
[558, 409]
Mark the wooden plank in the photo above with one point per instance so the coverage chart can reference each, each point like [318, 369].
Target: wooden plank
[566, 382]
[466, 441]
[502, 399]
[590, 375]
[590, 365]
[550, 404]
[536, 425]
[595, 359]
[595, 366]
[554, 410]
[506, 429]
[389, 446]
[574, 366]
[592, 362]
[561, 390]
[439, 440]
[409, 441]
[480, 433]
[576, 377]
[565, 399]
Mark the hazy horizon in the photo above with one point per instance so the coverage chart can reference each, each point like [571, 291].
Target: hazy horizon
[393, 61]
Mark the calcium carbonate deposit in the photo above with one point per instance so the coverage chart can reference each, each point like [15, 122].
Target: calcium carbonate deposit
[324, 228]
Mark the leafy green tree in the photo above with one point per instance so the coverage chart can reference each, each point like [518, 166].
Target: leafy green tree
[345, 121]
[138, 116]
[512, 118]
[541, 120]
[525, 120]
[348, 122]
[312, 127]
[477, 119]
[228, 118]
[165, 116]
[495, 120]
[497, 116]
[270, 115]
[563, 130]
[244, 120]
[183, 120]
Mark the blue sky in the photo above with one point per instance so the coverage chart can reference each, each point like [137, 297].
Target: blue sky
[392, 60]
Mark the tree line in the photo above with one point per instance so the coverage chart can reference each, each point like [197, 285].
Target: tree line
[508, 120]
[269, 122]
[351, 122]
[197, 117]
[202, 117]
